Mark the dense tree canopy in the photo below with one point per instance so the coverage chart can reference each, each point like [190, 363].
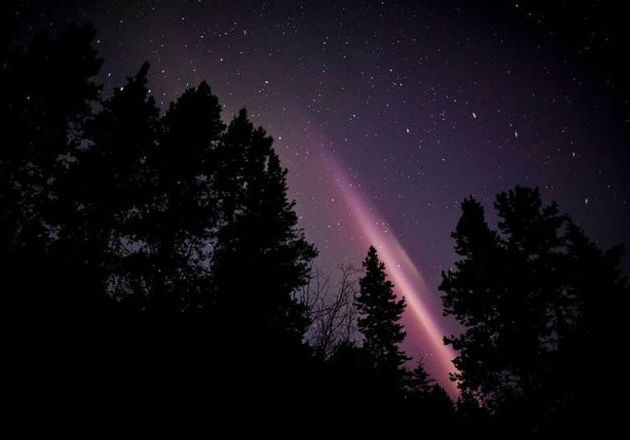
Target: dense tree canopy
[162, 253]
[533, 297]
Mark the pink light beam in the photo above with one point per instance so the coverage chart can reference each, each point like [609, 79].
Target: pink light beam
[406, 277]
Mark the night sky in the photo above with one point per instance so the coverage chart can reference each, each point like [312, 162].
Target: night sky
[387, 114]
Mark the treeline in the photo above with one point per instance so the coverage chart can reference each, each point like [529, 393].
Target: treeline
[164, 248]
[157, 255]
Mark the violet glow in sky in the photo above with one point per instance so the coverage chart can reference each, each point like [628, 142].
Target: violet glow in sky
[387, 114]
[408, 281]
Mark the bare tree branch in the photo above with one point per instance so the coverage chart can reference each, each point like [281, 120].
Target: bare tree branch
[332, 312]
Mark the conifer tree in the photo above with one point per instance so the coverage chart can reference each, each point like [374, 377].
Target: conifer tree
[183, 212]
[113, 187]
[261, 256]
[47, 91]
[533, 296]
[419, 382]
[380, 314]
[425, 396]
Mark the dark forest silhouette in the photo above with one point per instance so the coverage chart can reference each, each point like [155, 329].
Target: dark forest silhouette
[158, 256]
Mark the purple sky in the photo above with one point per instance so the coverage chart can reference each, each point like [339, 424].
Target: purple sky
[415, 104]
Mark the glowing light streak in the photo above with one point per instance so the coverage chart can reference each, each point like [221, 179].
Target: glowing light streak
[402, 271]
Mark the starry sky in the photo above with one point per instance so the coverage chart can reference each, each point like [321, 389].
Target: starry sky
[387, 114]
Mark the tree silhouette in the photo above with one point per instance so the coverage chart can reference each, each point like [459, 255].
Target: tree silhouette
[474, 418]
[379, 316]
[178, 232]
[258, 235]
[183, 214]
[110, 188]
[419, 382]
[522, 296]
[47, 92]
[424, 396]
